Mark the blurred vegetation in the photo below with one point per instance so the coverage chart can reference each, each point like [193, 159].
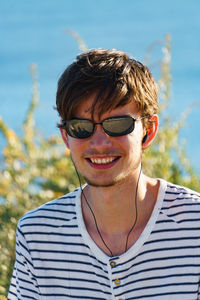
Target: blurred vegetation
[35, 169]
[167, 157]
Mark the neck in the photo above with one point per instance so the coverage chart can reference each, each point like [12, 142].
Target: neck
[112, 203]
[116, 210]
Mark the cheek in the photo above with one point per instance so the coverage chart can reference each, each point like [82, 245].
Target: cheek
[130, 142]
[76, 145]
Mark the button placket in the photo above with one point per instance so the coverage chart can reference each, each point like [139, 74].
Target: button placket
[116, 282]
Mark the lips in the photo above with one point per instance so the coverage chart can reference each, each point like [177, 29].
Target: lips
[103, 162]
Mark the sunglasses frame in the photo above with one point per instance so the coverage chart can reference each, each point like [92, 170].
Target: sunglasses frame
[64, 125]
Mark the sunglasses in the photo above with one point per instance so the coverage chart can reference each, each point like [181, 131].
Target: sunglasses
[114, 126]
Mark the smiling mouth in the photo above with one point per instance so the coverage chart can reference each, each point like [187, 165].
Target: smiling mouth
[102, 161]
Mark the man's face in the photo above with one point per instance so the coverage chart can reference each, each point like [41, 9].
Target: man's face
[104, 160]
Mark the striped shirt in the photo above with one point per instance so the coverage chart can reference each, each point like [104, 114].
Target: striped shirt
[57, 259]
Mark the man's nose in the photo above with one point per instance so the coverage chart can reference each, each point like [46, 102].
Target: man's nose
[100, 138]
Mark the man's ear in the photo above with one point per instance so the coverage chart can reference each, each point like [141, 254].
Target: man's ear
[150, 131]
[64, 136]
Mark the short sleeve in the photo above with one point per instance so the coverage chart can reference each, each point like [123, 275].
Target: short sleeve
[23, 283]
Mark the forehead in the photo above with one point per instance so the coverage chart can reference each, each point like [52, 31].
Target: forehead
[84, 110]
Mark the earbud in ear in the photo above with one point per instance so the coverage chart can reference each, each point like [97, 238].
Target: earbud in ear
[145, 138]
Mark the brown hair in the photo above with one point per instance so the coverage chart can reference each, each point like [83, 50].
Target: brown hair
[113, 77]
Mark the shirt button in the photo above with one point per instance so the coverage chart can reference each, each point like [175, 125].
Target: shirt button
[112, 264]
[117, 281]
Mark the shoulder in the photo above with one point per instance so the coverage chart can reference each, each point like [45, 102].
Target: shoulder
[177, 192]
[53, 213]
[181, 203]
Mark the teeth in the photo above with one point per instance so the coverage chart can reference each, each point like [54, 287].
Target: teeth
[102, 160]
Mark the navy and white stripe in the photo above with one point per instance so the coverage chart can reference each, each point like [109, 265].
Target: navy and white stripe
[57, 259]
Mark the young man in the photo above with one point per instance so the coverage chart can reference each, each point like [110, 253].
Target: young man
[123, 235]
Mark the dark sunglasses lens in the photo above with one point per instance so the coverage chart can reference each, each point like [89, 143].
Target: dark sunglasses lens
[118, 126]
[79, 128]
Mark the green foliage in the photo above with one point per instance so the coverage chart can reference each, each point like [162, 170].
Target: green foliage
[34, 169]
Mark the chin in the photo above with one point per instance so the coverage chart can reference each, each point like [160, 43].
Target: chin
[103, 183]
